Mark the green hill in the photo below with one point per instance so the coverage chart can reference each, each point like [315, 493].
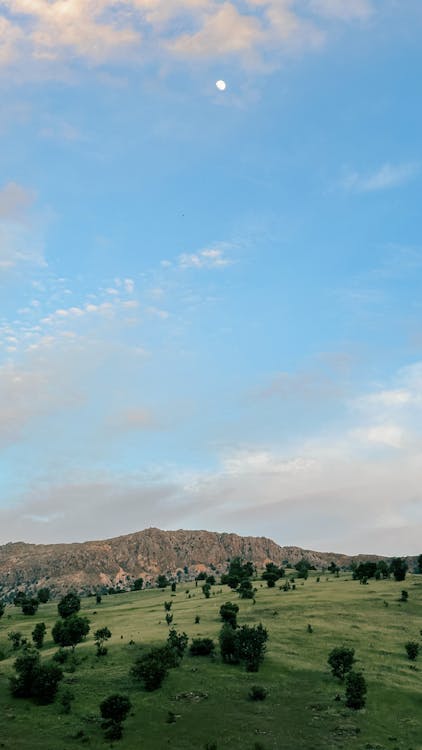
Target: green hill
[300, 712]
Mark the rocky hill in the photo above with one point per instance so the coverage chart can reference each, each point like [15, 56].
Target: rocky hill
[117, 562]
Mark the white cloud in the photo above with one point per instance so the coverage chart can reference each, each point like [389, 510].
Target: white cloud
[213, 257]
[45, 34]
[384, 178]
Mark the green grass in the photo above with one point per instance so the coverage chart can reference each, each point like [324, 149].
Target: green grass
[300, 712]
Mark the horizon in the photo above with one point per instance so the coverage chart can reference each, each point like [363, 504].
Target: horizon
[210, 270]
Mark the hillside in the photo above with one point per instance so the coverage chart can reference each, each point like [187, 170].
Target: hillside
[117, 561]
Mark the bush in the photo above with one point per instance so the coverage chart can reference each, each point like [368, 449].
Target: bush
[169, 618]
[355, 690]
[177, 643]
[115, 708]
[197, 619]
[43, 595]
[168, 606]
[257, 693]
[35, 680]
[252, 640]
[228, 613]
[206, 590]
[2, 609]
[412, 650]
[71, 631]
[30, 606]
[69, 605]
[61, 656]
[404, 595]
[151, 668]
[246, 590]
[15, 637]
[341, 660]
[202, 647]
[100, 637]
[229, 645]
[38, 634]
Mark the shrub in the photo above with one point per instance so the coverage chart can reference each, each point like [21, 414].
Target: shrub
[341, 660]
[229, 645]
[71, 631]
[43, 595]
[30, 606]
[15, 637]
[257, 693]
[162, 582]
[66, 701]
[202, 647]
[69, 605]
[151, 668]
[115, 708]
[177, 642]
[412, 650]
[355, 690]
[169, 618]
[33, 679]
[246, 590]
[168, 606]
[228, 613]
[38, 634]
[2, 609]
[138, 584]
[404, 595]
[100, 637]
[398, 568]
[206, 590]
[197, 619]
[252, 640]
[61, 656]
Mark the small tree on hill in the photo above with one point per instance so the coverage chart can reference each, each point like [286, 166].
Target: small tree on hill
[151, 668]
[412, 650]
[38, 634]
[246, 590]
[2, 609]
[69, 605]
[30, 606]
[229, 644]
[43, 595]
[162, 582]
[177, 644]
[341, 660]
[419, 564]
[206, 590]
[252, 645]
[355, 690]
[33, 679]
[138, 584]
[228, 613]
[399, 568]
[114, 710]
[15, 637]
[100, 637]
[71, 631]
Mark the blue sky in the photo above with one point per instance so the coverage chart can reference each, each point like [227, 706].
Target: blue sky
[210, 300]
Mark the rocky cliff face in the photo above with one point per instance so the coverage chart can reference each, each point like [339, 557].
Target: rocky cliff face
[116, 562]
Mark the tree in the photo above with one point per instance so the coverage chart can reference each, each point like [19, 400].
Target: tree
[33, 679]
[206, 590]
[341, 660]
[419, 564]
[19, 599]
[252, 645]
[15, 637]
[2, 609]
[151, 668]
[100, 637]
[412, 650]
[71, 631]
[138, 584]
[69, 605]
[202, 647]
[43, 595]
[168, 606]
[246, 590]
[303, 567]
[98, 598]
[162, 582]
[272, 574]
[114, 710]
[365, 570]
[177, 644]
[355, 690]
[30, 606]
[383, 569]
[211, 580]
[399, 567]
[237, 572]
[38, 634]
[229, 644]
[228, 613]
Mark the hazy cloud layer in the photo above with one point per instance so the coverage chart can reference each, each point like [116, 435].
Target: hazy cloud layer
[44, 33]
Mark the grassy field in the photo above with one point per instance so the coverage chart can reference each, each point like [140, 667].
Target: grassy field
[300, 712]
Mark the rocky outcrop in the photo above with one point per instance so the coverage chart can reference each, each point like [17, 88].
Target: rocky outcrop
[116, 562]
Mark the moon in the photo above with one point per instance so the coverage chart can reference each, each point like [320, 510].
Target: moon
[221, 85]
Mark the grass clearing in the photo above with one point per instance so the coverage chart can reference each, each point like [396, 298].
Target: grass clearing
[300, 712]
